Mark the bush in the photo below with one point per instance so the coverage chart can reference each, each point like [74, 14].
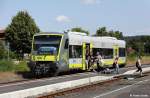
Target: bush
[3, 52]
[6, 65]
[131, 55]
[11, 66]
[22, 66]
[12, 55]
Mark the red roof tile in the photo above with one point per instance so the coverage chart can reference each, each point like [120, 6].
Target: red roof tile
[2, 31]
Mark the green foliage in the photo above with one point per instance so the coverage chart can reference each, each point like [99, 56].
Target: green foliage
[12, 55]
[132, 55]
[19, 33]
[147, 47]
[79, 29]
[6, 65]
[22, 66]
[117, 34]
[10, 66]
[4, 52]
[102, 31]
[139, 43]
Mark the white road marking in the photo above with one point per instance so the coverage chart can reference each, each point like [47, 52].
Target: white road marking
[40, 80]
[145, 69]
[104, 94]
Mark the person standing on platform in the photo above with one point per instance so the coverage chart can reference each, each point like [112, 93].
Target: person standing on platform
[139, 66]
[116, 66]
[91, 62]
[99, 62]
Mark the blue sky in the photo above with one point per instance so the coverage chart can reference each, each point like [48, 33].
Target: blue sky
[132, 17]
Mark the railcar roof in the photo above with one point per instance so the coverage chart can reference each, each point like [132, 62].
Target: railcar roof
[46, 33]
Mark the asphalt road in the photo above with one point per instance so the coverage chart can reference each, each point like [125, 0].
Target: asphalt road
[139, 87]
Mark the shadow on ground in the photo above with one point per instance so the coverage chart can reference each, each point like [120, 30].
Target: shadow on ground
[29, 75]
[26, 75]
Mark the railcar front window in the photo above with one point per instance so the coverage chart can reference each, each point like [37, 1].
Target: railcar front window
[47, 44]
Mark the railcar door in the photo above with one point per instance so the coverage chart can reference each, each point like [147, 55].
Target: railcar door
[87, 48]
[116, 51]
[84, 56]
[75, 56]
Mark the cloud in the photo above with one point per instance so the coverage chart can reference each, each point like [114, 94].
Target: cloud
[62, 18]
[90, 2]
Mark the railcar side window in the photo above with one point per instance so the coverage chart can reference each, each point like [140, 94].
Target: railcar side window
[106, 53]
[122, 52]
[75, 51]
[95, 50]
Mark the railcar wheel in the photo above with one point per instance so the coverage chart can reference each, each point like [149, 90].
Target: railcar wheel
[37, 72]
[53, 71]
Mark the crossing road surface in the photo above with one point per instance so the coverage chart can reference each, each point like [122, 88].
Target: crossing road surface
[131, 88]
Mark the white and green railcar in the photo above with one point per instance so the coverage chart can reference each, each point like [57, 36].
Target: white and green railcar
[58, 52]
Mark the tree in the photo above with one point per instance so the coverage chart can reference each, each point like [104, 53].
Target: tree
[79, 29]
[19, 33]
[111, 33]
[139, 43]
[101, 32]
[118, 35]
[2, 50]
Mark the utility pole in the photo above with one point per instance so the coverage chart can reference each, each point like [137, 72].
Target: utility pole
[8, 51]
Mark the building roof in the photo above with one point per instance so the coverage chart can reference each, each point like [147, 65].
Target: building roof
[2, 31]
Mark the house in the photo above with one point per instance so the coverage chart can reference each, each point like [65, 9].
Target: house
[2, 37]
[2, 34]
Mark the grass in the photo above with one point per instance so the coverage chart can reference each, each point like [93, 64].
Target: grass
[10, 66]
[6, 65]
[22, 66]
[132, 59]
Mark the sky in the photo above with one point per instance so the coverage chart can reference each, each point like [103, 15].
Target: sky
[132, 17]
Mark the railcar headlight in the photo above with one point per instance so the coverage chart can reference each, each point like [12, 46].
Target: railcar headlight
[57, 63]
